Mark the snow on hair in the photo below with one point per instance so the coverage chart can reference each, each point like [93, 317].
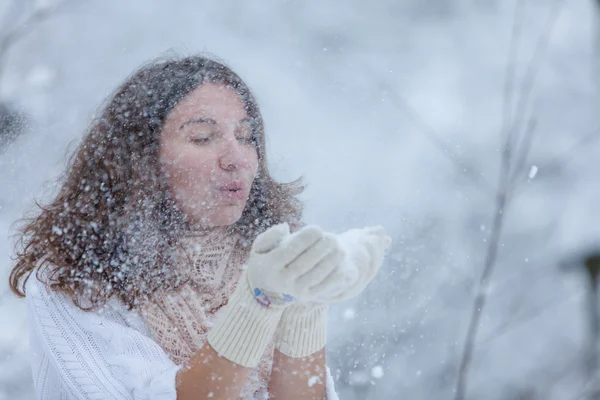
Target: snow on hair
[112, 228]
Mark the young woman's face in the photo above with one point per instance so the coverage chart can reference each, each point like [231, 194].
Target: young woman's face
[207, 153]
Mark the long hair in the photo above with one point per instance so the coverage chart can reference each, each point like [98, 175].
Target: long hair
[113, 227]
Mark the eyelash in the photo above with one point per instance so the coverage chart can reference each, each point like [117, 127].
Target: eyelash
[249, 140]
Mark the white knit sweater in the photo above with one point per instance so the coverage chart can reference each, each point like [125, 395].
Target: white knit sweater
[105, 354]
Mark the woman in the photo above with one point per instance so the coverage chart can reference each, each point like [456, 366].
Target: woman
[171, 265]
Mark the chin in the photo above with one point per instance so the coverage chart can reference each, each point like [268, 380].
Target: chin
[226, 217]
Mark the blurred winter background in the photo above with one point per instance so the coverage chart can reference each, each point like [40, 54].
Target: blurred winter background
[469, 128]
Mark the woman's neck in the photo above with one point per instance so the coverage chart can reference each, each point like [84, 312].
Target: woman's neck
[202, 230]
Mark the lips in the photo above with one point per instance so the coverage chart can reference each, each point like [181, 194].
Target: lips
[234, 190]
[233, 186]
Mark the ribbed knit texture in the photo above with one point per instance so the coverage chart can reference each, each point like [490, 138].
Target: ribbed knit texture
[93, 355]
[105, 354]
[244, 328]
[302, 330]
[180, 319]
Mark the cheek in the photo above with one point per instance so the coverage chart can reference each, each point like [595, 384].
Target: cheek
[253, 161]
[188, 172]
[196, 171]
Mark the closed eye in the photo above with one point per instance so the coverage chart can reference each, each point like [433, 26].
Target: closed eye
[200, 140]
[246, 140]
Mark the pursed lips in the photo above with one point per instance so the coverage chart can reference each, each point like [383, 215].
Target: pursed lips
[232, 186]
[233, 190]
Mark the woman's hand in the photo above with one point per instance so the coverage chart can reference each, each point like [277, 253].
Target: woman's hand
[301, 335]
[363, 253]
[358, 254]
[281, 268]
[284, 268]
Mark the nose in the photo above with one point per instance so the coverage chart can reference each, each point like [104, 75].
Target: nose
[233, 158]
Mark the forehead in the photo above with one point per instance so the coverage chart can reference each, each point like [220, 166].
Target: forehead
[210, 100]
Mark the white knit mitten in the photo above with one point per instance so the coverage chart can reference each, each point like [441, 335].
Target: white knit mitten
[364, 251]
[281, 267]
[302, 330]
[286, 267]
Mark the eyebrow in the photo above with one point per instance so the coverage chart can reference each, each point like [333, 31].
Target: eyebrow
[202, 120]
[199, 120]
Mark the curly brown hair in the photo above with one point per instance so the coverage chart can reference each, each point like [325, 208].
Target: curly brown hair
[112, 228]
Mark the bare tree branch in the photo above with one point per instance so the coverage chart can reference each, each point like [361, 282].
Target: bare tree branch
[523, 150]
[504, 188]
[568, 155]
[553, 376]
[491, 254]
[585, 140]
[526, 317]
[531, 74]
[429, 133]
[481, 296]
[511, 66]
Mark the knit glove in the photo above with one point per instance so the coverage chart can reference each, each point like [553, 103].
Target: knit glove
[364, 251]
[288, 267]
[281, 267]
[302, 329]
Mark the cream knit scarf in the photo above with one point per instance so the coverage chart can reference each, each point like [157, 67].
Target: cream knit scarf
[180, 320]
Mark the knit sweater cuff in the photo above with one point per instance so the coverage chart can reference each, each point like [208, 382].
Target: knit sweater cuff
[245, 327]
[302, 330]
